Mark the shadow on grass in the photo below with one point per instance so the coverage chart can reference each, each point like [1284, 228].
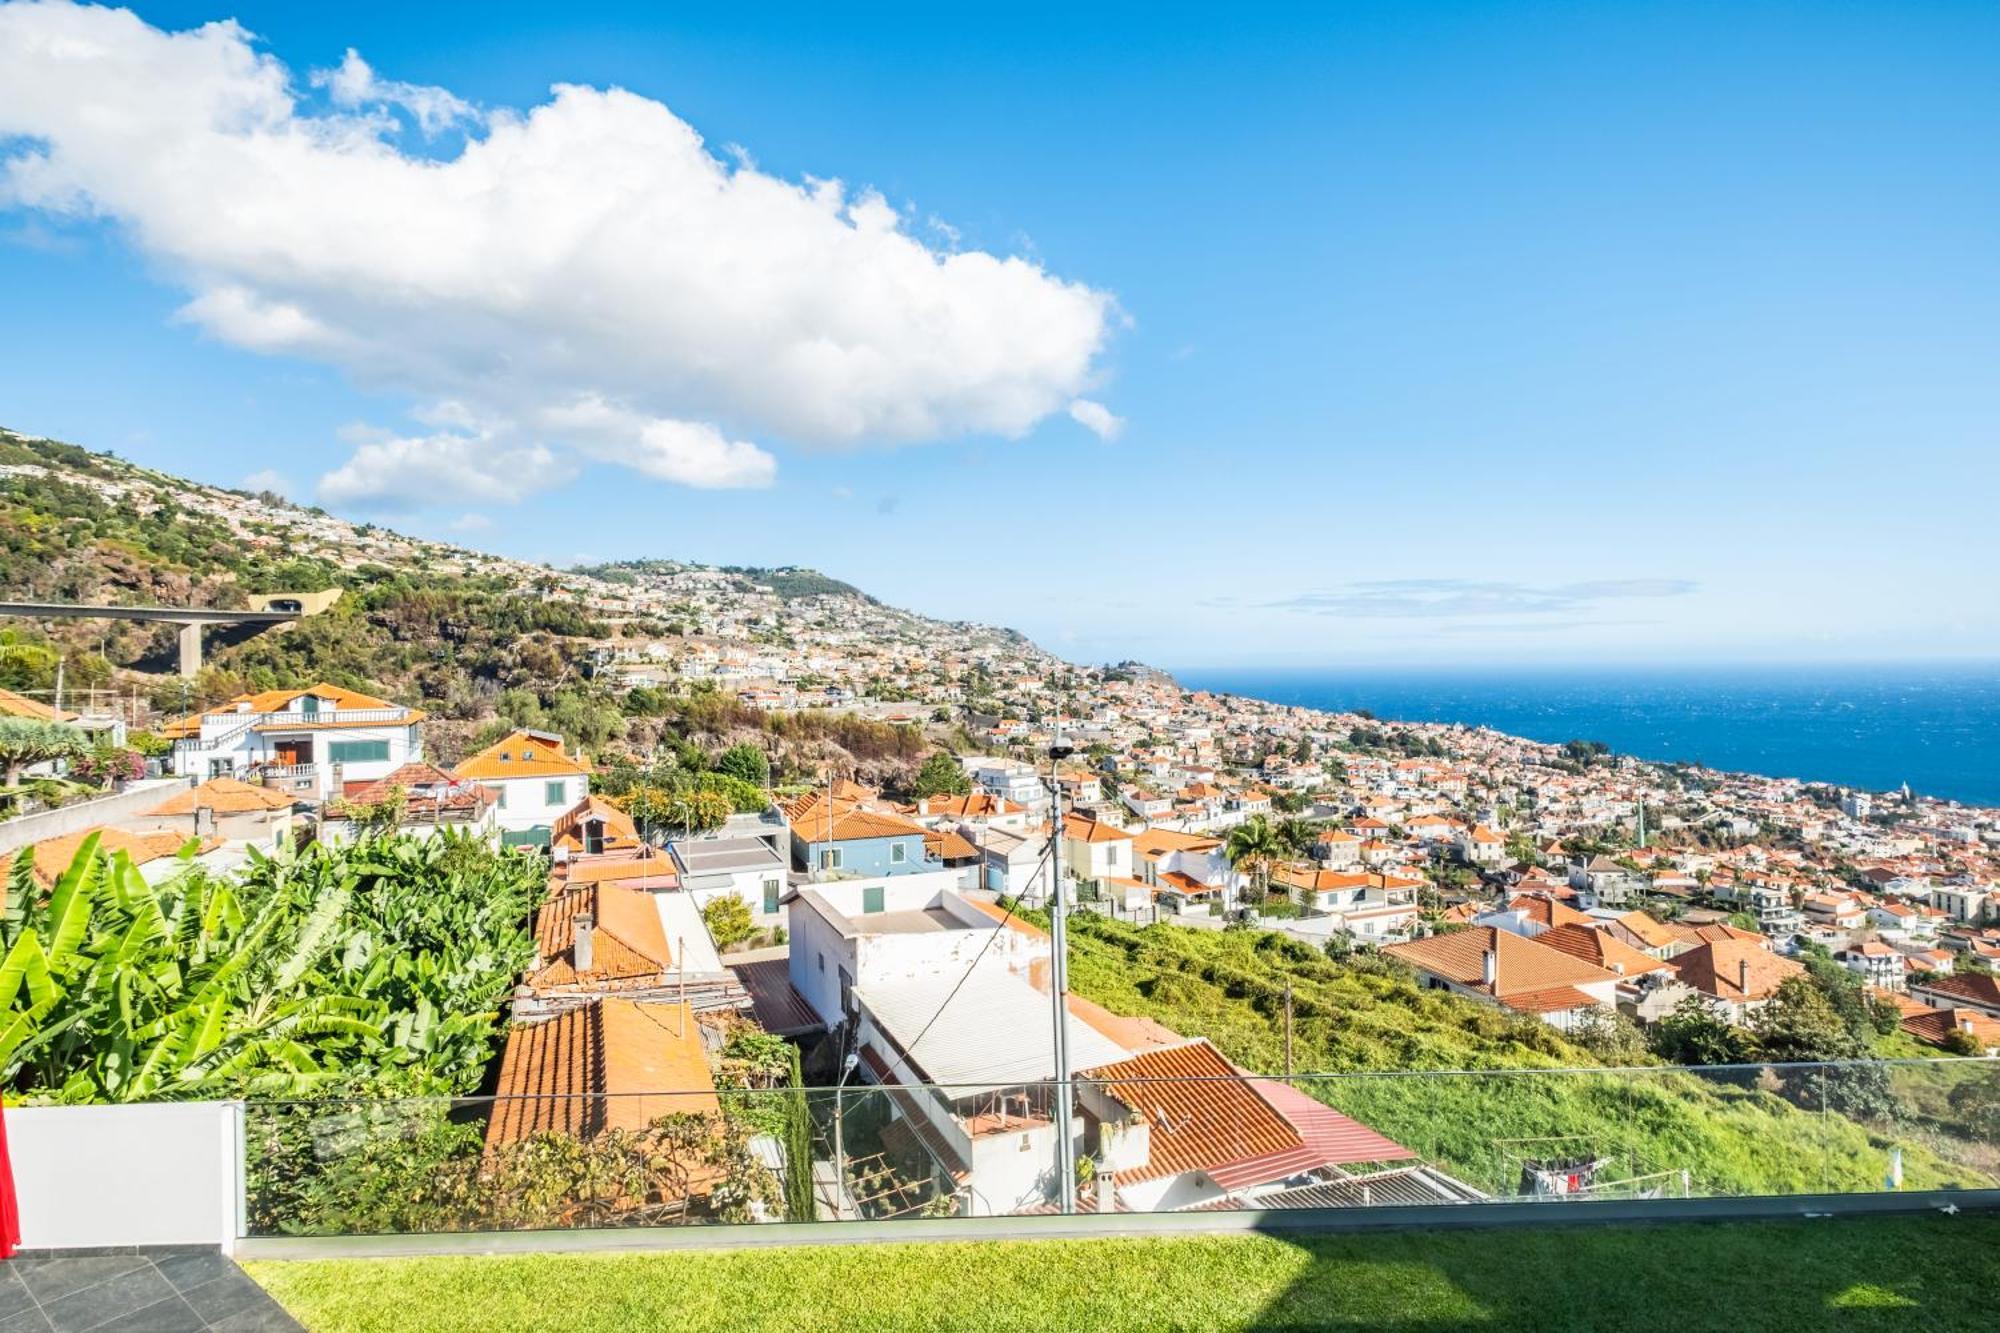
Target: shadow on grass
[1929, 1273]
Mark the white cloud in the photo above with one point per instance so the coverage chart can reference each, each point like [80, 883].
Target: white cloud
[1096, 418]
[470, 523]
[692, 453]
[582, 277]
[400, 472]
[354, 84]
[268, 479]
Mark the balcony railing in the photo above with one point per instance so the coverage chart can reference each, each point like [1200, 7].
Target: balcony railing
[1653, 1139]
[238, 723]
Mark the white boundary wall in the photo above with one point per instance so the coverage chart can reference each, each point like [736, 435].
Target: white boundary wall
[159, 1173]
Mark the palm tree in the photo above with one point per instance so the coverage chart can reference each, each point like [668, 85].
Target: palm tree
[25, 742]
[1253, 848]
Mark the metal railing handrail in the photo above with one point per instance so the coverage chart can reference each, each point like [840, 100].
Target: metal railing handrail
[1298, 1076]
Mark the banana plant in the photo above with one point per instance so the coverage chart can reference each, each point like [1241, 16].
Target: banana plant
[385, 962]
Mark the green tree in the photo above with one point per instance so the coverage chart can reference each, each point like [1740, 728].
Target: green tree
[1692, 1034]
[1254, 848]
[25, 742]
[941, 775]
[728, 920]
[746, 763]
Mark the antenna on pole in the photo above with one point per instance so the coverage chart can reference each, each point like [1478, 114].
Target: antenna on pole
[1059, 977]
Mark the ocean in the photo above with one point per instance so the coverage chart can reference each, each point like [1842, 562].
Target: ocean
[1936, 727]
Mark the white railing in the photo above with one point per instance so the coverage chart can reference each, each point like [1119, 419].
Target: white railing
[332, 717]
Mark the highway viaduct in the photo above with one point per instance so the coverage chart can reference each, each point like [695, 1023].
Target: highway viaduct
[191, 619]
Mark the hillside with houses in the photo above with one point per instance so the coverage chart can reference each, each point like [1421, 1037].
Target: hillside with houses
[669, 860]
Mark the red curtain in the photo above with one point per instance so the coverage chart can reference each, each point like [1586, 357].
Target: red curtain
[10, 1211]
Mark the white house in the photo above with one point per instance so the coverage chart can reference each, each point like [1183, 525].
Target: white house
[1094, 850]
[749, 868]
[312, 742]
[534, 781]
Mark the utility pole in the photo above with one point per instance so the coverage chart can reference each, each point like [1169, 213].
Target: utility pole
[59, 684]
[1288, 1027]
[1059, 978]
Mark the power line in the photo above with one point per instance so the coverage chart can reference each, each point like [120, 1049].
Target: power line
[967, 975]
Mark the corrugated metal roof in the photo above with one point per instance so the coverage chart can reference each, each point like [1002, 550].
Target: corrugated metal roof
[994, 1033]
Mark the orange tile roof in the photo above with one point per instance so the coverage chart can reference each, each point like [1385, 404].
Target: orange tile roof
[1719, 967]
[1522, 966]
[1548, 911]
[608, 1064]
[648, 863]
[1654, 932]
[1935, 1025]
[1159, 841]
[974, 805]
[949, 845]
[522, 754]
[1083, 828]
[628, 945]
[225, 796]
[1296, 876]
[19, 705]
[1600, 949]
[277, 701]
[53, 855]
[1976, 987]
[426, 788]
[852, 823]
[619, 830]
[1194, 1125]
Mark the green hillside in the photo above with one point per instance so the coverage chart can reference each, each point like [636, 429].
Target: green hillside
[1364, 1018]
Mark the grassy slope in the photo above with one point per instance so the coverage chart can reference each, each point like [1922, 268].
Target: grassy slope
[1228, 986]
[1931, 1273]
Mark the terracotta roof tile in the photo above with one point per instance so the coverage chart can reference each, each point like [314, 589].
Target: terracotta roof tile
[608, 1064]
[1720, 967]
[1194, 1125]
[225, 796]
[1522, 966]
[522, 754]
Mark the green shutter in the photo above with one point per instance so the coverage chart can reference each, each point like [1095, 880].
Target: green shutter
[771, 887]
[358, 752]
[871, 899]
[553, 794]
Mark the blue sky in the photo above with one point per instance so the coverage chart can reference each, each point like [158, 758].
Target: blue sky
[1439, 334]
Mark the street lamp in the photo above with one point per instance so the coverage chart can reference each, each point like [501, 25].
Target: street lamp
[840, 1136]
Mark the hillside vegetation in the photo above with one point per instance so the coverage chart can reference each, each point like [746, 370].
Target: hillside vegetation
[1733, 1134]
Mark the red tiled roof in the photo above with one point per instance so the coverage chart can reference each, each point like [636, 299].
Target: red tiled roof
[1200, 1112]
[608, 1064]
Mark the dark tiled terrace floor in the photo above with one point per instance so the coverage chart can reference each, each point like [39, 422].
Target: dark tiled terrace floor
[154, 1290]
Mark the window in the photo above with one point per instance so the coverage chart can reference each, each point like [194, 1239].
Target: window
[309, 704]
[829, 859]
[358, 752]
[501, 804]
[899, 852]
[771, 887]
[554, 793]
[871, 899]
[822, 961]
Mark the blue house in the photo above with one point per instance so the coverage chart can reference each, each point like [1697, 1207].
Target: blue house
[840, 838]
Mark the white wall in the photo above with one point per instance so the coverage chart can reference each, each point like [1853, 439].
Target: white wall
[159, 1173]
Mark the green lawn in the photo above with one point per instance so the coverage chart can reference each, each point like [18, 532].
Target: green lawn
[1929, 1273]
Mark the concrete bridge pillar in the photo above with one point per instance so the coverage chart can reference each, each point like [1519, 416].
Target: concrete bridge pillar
[191, 649]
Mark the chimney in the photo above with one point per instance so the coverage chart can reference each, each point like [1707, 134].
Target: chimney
[1743, 975]
[1965, 1022]
[1489, 963]
[584, 953]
